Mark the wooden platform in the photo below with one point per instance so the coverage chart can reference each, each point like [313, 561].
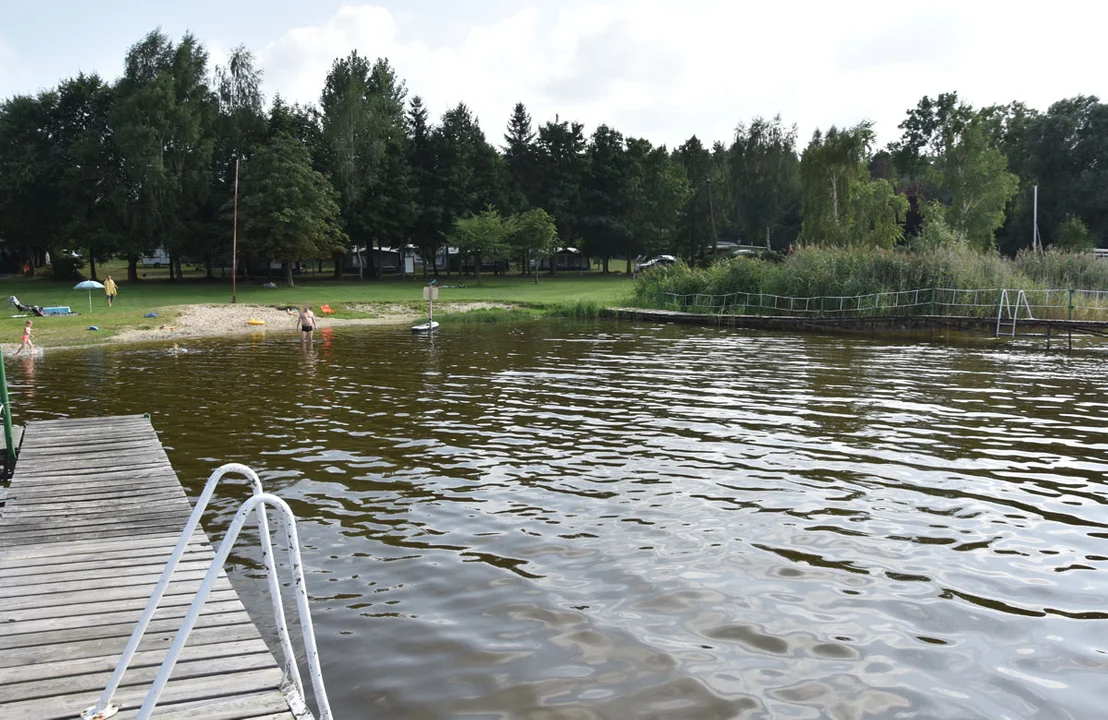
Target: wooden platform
[1057, 329]
[92, 514]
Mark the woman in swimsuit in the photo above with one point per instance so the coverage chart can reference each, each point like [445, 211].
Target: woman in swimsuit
[26, 341]
[307, 323]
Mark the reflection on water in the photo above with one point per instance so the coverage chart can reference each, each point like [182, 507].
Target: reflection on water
[619, 521]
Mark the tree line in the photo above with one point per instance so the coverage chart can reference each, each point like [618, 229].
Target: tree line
[93, 169]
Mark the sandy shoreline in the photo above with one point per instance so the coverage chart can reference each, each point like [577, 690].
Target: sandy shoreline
[199, 321]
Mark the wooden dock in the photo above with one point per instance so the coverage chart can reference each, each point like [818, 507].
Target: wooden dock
[92, 514]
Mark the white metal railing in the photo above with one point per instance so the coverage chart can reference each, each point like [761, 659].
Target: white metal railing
[1054, 304]
[291, 685]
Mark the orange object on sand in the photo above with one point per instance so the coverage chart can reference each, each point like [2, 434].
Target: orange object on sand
[326, 310]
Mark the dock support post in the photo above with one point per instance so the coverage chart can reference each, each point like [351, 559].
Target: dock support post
[1071, 304]
[7, 410]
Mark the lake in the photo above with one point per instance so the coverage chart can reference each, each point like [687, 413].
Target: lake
[567, 521]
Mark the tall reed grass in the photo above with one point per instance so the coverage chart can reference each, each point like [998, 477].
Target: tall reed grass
[812, 272]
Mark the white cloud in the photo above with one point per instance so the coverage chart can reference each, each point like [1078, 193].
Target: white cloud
[666, 70]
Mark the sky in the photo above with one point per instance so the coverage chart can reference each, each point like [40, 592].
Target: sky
[663, 70]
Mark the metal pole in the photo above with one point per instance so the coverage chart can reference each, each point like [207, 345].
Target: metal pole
[712, 212]
[7, 410]
[235, 237]
[1035, 221]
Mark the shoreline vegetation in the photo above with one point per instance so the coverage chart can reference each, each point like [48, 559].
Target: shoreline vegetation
[830, 271]
[158, 310]
[155, 310]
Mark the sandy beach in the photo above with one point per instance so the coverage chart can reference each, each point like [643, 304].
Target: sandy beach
[196, 321]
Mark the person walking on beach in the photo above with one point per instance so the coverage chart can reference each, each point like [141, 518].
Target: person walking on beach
[26, 341]
[110, 290]
[307, 323]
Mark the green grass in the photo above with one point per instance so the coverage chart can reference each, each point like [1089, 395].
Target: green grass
[155, 293]
[580, 309]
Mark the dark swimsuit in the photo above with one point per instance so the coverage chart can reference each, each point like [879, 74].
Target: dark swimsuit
[306, 328]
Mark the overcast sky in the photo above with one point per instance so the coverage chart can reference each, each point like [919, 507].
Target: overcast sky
[654, 69]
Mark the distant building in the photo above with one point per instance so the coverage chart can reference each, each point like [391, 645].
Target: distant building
[566, 259]
[385, 259]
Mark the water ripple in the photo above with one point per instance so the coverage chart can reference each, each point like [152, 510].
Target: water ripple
[613, 521]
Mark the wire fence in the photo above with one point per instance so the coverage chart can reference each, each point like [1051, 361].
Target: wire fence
[995, 302]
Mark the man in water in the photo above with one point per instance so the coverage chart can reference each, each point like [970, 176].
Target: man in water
[307, 323]
[110, 290]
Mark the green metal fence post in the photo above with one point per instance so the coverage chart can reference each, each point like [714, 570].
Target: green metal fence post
[7, 410]
[821, 306]
[932, 302]
[1071, 304]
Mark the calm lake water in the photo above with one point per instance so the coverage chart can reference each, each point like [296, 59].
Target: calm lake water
[577, 521]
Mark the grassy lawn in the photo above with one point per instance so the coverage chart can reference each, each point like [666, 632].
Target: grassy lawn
[155, 292]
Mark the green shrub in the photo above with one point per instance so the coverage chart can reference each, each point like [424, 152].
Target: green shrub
[1073, 236]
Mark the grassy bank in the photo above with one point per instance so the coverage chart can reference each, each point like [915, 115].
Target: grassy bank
[154, 295]
[814, 272]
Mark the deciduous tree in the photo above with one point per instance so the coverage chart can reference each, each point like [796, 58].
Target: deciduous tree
[533, 236]
[288, 210]
[483, 236]
[764, 174]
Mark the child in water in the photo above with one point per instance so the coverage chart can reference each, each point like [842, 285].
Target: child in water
[25, 342]
[177, 350]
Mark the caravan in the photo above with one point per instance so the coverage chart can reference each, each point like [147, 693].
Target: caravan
[155, 259]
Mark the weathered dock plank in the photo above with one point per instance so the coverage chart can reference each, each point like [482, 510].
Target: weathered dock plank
[91, 516]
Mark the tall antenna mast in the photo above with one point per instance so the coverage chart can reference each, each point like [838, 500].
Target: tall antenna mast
[1035, 222]
[235, 235]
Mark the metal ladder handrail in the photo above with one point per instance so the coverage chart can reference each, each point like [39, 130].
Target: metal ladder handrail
[1013, 314]
[258, 503]
[104, 708]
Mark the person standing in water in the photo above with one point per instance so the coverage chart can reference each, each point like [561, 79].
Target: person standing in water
[25, 342]
[110, 290]
[307, 323]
